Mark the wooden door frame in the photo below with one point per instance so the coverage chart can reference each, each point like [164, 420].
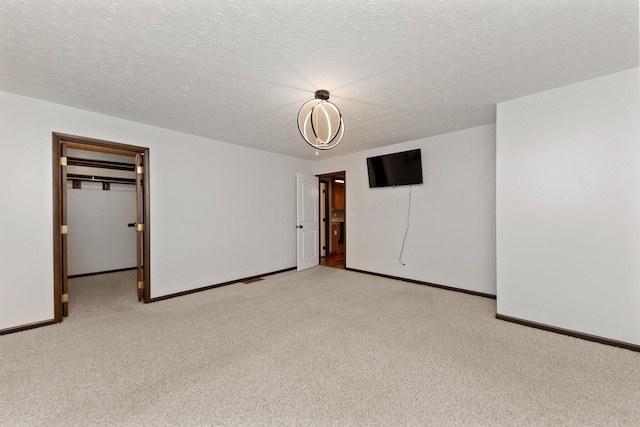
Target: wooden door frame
[327, 213]
[90, 144]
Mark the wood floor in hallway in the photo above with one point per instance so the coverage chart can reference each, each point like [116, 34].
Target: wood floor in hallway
[336, 261]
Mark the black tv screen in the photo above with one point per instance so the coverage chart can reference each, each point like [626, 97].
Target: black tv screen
[403, 168]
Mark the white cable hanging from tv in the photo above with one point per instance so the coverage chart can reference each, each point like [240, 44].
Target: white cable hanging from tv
[320, 122]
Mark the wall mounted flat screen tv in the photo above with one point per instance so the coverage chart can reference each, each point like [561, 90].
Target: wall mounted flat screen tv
[403, 168]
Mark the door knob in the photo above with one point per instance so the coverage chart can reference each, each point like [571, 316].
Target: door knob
[299, 226]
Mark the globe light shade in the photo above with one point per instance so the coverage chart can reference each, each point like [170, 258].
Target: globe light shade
[320, 122]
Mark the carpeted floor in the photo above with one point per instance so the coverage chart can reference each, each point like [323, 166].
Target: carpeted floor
[319, 347]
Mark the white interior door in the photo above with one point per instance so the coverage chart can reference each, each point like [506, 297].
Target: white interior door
[307, 221]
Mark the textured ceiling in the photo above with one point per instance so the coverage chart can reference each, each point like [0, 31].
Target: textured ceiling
[238, 71]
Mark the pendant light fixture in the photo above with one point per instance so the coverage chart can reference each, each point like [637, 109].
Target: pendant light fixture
[320, 122]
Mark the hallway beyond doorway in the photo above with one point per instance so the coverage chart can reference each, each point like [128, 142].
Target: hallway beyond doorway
[332, 220]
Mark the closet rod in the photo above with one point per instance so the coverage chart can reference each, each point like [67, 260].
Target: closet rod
[93, 178]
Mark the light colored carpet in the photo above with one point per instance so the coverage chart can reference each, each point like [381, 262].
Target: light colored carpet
[319, 347]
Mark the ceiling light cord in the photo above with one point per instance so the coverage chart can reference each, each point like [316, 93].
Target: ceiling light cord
[407, 230]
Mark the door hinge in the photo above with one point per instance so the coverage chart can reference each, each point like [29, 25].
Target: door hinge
[63, 161]
[64, 229]
[65, 298]
[140, 285]
[139, 170]
[140, 227]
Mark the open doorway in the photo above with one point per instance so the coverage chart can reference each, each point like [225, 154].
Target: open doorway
[101, 212]
[333, 236]
[101, 219]
[102, 167]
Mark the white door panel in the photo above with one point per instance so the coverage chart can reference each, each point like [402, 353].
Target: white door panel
[307, 225]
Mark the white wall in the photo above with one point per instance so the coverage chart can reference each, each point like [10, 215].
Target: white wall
[568, 207]
[451, 239]
[99, 238]
[219, 212]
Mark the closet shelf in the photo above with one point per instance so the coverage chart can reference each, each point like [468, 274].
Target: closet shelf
[105, 164]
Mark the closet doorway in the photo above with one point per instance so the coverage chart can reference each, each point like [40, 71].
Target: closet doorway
[333, 236]
[100, 166]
